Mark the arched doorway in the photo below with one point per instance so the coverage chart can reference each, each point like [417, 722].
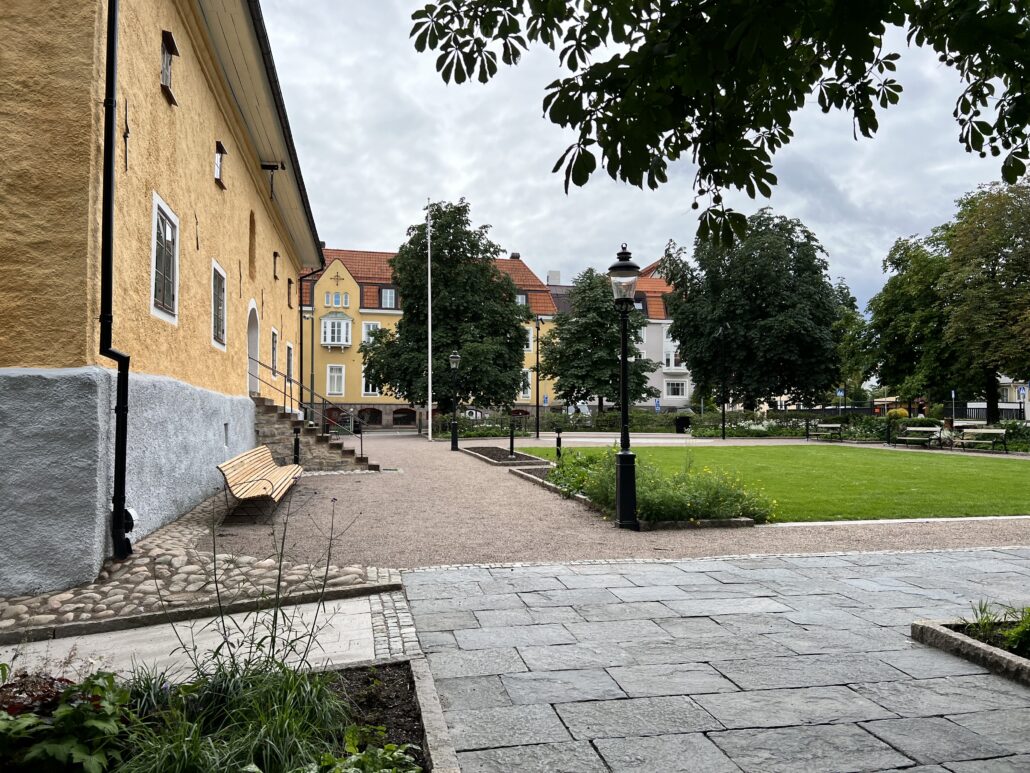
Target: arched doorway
[404, 417]
[373, 417]
[253, 352]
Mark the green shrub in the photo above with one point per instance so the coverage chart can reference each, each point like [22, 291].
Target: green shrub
[897, 413]
[685, 496]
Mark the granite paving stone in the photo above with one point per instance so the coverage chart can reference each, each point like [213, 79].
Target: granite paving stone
[571, 757]
[573, 581]
[693, 628]
[520, 584]
[471, 692]
[573, 656]
[616, 631]
[929, 697]
[635, 717]
[505, 726]
[445, 621]
[513, 636]
[653, 651]
[698, 607]
[1006, 727]
[923, 662]
[651, 593]
[587, 684]
[827, 618]
[814, 749]
[681, 753]
[934, 739]
[439, 576]
[449, 664]
[807, 671]
[825, 640]
[1016, 764]
[444, 590]
[670, 679]
[791, 706]
[627, 610]
[492, 618]
[567, 598]
[756, 624]
[471, 603]
[434, 641]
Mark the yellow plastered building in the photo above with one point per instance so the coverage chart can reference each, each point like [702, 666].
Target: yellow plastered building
[212, 232]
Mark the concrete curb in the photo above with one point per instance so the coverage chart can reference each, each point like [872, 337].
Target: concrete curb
[440, 750]
[178, 614]
[513, 463]
[941, 635]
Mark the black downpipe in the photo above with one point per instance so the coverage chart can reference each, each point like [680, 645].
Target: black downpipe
[308, 413]
[121, 521]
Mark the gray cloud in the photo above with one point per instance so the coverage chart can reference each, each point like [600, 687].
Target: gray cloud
[378, 132]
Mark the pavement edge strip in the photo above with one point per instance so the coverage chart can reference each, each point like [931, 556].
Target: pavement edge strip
[941, 635]
[178, 614]
[442, 755]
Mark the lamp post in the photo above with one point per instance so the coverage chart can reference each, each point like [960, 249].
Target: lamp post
[624, 274]
[455, 359]
[536, 391]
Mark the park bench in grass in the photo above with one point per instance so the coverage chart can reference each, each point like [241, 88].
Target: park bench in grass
[919, 436]
[977, 437]
[827, 431]
[255, 475]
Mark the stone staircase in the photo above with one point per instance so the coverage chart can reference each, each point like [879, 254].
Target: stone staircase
[318, 452]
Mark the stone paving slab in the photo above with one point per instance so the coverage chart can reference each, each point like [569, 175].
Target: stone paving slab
[772, 663]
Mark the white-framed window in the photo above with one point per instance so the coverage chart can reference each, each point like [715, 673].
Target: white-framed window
[388, 298]
[289, 363]
[217, 305]
[168, 50]
[336, 332]
[164, 262]
[220, 155]
[346, 300]
[367, 389]
[275, 353]
[520, 299]
[334, 379]
[337, 299]
[528, 347]
[670, 351]
[328, 299]
[675, 388]
[638, 304]
[527, 384]
[367, 329]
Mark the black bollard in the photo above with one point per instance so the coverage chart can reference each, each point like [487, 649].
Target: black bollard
[557, 442]
[296, 445]
[511, 439]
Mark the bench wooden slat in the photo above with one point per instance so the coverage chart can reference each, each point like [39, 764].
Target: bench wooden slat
[254, 474]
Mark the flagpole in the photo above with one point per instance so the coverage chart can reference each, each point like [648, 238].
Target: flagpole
[429, 297]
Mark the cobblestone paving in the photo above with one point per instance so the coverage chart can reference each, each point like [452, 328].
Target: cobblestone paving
[393, 629]
[176, 567]
[762, 663]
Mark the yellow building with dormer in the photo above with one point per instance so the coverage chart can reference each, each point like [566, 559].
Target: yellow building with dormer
[167, 226]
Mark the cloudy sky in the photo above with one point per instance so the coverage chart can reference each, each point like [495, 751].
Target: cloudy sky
[378, 132]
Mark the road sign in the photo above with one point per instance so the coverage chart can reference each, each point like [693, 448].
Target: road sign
[840, 393]
[545, 399]
[657, 405]
[952, 394]
[1022, 392]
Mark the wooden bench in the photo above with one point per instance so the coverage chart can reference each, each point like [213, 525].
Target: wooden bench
[981, 436]
[255, 475]
[919, 436]
[828, 431]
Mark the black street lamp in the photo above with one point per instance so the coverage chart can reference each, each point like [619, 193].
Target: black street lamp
[455, 359]
[536, 391]
[624, 274]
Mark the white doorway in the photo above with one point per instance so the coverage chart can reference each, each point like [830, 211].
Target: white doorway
[253, 351]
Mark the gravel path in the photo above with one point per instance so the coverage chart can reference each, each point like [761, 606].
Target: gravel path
[443, 508]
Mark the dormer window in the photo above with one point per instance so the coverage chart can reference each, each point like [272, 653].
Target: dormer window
[388, 298]
[220, 155]
[520, 299]
[168, 50]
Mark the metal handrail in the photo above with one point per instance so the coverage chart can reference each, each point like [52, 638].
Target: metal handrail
[288, 399]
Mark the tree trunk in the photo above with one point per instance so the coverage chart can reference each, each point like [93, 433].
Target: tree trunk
[991, 395]
[600, 405]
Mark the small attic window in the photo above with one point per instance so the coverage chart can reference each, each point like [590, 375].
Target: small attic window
[168, 50]
[220, 154]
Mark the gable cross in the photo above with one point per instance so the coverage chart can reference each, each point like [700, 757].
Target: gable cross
[337, 278]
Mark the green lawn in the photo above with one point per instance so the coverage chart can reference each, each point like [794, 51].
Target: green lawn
[836, 483]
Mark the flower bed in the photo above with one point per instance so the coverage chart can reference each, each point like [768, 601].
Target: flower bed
[690, 496]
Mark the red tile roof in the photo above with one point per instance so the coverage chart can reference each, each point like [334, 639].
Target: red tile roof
[364, 265]
[654, 290]
[537, 295]
[649, 271]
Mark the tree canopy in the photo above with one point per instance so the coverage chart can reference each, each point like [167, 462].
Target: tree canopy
[955, 312]
[474, 314]
[755, 319]
[718, 81]
[581, 351]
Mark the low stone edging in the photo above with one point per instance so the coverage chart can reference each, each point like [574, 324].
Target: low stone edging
[704, 523]
[943, 636]
[512, 463]
[440, 749]
[180, 613]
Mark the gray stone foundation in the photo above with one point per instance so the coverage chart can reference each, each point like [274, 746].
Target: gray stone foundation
[57, 456]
